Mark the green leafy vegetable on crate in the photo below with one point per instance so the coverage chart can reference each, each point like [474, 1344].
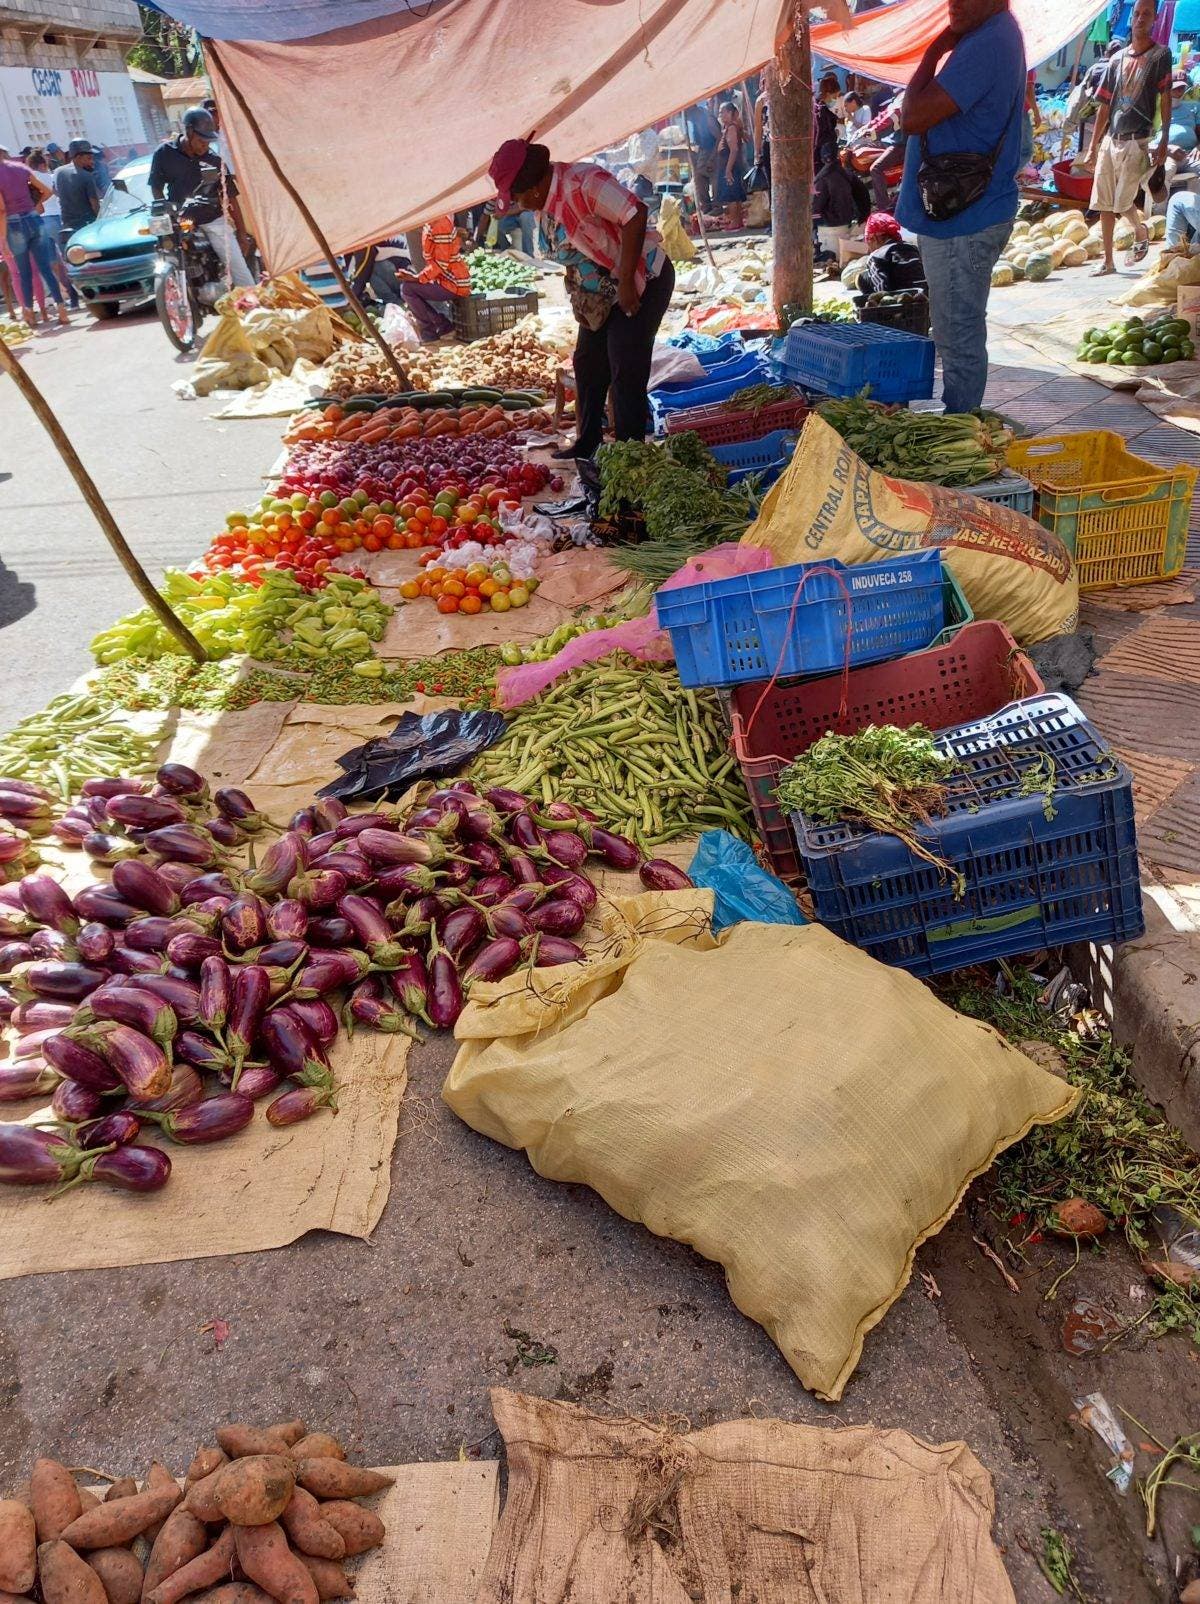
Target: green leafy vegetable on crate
[754, 397]
[956, 448]
[277, 619]
[628, 741]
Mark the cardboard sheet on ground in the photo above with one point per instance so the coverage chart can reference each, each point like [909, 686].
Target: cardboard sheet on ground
[227, 747]
[756, 1510]
[259, 1189]
[801, 1114]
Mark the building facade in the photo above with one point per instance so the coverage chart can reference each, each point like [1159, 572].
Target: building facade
[63, 75]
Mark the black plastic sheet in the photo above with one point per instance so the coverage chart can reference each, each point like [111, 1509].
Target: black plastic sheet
[421, 747]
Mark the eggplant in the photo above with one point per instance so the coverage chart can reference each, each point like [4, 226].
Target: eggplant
[328, 812]
[200, 918]
[136, 1169]
[145, 887]
[282, 862]
[304, 821]
[45, 900]
[149, 934]
[199, 1052]
[372, 930]
[179, 875]
[494, 960]
[484, 856]
[291, 1051]
[32, 1043]
[112, 787]
[28, 788]
[17, 805]
[569, 850]
[203, 887]
[616, 850]
[659, 875]
[248, 1001]
[131, 1005]
[291, 1107]
[526, 897]
[561, 917]
[492, 888]
[318, 845]
[461, 930]
[71, 832]
[507, 801]
[211, 1120]
[509, 921]
[287, 920]
[104, 847]
[523, 869]
[329, 931]
[54, 978]
[244, 922]
[73, 1102]
[368, 1006]
[14, 844]
[186, 1087]
[316, 1016]
[8, 1003]
[317, 888]
[113, 1130]
[216, 992]
[41, 1015]
[145, 812]
[482, 824]
[128, 961]
[140, 1062]
[352, 867]
[27, 1077]
[237, 807]
[545, 951]
[14, 923]
[183, 843]
[95, 809]
[356, 823]
[566, 883]
[458, 872]
[386, 847]
[331, 970]
[407, 880]
[79, 1062]
[280, 954]
[180, 780]
[257, 1081]
[47, 943]
[102, 903]
[183, 995]
[30, 1157]
[224, 832]
[94, 942]
[445, 990]
[189, 952]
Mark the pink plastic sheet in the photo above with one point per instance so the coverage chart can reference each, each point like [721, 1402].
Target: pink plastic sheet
[640, 637]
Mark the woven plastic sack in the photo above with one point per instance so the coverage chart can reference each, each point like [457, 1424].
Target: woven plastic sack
[784, 1104]
[640, 637]
[829, 503]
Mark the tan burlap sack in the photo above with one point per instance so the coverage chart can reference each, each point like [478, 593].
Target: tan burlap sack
[783, 1103]
[828, 503]
[606, 1510]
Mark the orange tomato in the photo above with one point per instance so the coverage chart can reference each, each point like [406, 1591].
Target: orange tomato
[372, 543]
[424, 515]
[394, 542]
[413, 542]
[488, 587]
[426, 588]
[454, 587]
[410, 589]
[470, 604]
[475, 575]
[408, 509]
[437, 572]
[437, 526]
[468, 514]
[382, 526]
[447, 604]
[331, 517]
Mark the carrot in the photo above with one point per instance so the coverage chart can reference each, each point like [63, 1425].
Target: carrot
[264, 1555]
[65, 1578]
[333, 1478]
[358, 1528]
[318, 1445]
[180, 1539]
[492, 415]
[233, 1593]
[308, 1531]
[333, 413]
[201, 1499]
[292, 1431]
[55, 1498]
[120, 1572]
[123, 1487]
[206, 1461]
[18, 1546]
[113, 1524]
[377, 432]
[238, 1441]
[493, 431]
[206, 1570]
[330, 1577]
[255, 1490]
[406, 431]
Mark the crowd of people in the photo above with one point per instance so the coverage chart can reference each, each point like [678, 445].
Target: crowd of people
[46, 193]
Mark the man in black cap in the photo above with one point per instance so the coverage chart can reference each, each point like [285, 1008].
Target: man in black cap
[193, 178]
[77, 189]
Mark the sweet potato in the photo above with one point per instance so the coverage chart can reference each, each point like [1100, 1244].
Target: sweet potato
[158, 1477]
[332, 1478]
[209, 1569]
[255, 1490]
[65, 1578]
[201, 1499]
[87, 1500]
[318, 1445]
[308, 1532]
[358, 1528]
[292, 1431]
[15, 1598]
[110, 1525]
[121, 1573]
[123, 1487]
[55, 1498]
[206, 1461]
[180, 1539]
[239, 1442]
[233, 1593]
[18, 1546]
[330, 1577]
[264, 1555]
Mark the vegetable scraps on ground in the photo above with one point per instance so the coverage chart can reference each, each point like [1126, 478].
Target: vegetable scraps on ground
[277, 1506]
[951, 449]
[171, 1000]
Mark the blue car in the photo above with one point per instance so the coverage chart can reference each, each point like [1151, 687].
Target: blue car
[111, 261]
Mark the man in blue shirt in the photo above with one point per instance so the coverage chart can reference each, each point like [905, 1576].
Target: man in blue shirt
[975, 103]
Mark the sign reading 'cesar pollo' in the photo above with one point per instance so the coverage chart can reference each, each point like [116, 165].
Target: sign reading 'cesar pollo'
[48, 81]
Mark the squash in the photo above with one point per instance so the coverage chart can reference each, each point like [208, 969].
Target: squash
[1038, 266]
[1018, 260]
[852, 271]
[1018, 271]
[1094, 248]
[1075, 257]
[1057, 221]
[1058, 251]
[1002, 274]
[1123, 235]
[1157, 227]
[1039, 236]
[1076, 230]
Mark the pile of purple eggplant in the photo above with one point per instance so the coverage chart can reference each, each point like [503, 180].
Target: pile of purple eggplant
[25, 811]
[172, 999]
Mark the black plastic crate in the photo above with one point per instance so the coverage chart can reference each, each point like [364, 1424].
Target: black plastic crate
[911, 315]
[476, 316]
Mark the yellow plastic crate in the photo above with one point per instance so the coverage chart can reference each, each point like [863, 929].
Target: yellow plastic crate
[1125, 520]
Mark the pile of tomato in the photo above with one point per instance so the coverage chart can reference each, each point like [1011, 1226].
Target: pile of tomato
[480, 588]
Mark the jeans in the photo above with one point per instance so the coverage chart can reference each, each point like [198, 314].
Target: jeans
[1183, 217]
[384, 284]
[28, 243]
[959, 273]
[504, 230]
[421, 303]
[221, 237]
[618, 353]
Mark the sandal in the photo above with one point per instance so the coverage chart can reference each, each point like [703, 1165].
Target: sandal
[1137, 252]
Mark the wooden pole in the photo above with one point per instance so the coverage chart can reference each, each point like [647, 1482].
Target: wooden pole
[790, 99]
[687, 139]
[368, 327]
[97, 507]
[1078, 58]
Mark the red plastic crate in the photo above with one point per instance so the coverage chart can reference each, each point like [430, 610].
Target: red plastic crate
[718, 427]
[980, 671]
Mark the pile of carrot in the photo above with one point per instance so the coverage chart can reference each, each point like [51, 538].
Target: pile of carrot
[266, 1517]
[406, 423]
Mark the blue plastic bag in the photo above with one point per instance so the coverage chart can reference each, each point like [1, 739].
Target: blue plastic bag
[743, 888]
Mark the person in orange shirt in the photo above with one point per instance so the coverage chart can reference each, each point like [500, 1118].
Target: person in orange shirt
[445, 277]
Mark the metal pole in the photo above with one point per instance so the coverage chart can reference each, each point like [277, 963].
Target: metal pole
[211, 54]
[96, 505]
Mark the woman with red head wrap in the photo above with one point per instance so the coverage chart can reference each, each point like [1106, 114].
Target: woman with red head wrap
[893, 263]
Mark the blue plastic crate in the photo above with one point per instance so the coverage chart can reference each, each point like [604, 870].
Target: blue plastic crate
[768, 456]
[717, 389]
[1029, 880]
[725, 631]
[730, 367]
[845, 358]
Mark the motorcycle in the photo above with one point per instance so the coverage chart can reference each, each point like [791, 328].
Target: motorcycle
[189, 278]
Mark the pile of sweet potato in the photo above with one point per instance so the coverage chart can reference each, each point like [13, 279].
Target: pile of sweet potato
[268, 1517]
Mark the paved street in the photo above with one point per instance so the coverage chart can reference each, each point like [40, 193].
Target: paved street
[168, 474]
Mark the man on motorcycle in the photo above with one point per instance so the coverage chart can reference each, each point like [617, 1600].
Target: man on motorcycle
[193, 178]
